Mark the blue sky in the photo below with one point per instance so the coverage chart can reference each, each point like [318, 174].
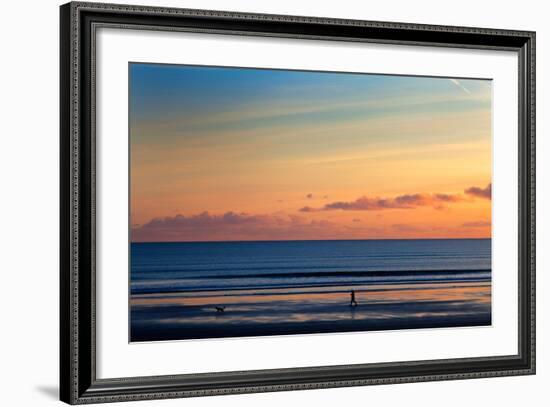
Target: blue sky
[216, 144]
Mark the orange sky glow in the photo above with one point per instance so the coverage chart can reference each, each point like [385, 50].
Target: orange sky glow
[242, 154]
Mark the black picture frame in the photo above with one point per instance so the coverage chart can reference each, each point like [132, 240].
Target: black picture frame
[78, 382]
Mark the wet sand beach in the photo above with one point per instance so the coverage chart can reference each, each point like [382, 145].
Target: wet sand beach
[171, 316]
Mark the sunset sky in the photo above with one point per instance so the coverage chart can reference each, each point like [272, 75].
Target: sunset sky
[246, 154]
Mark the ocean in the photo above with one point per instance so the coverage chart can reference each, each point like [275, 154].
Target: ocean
[229, 289]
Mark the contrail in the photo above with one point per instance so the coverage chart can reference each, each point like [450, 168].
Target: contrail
[457, 83]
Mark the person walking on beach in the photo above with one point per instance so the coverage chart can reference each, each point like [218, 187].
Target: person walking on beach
[353, 302]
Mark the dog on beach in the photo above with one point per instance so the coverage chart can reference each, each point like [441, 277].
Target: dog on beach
[220, 309]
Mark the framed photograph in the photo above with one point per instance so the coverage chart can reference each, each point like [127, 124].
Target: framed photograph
[255, 203]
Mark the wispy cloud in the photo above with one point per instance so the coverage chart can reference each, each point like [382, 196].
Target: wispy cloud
[241, 226]
[403, 227]
[232, 226]
[477, 224]
[407, 201]
[484, 193]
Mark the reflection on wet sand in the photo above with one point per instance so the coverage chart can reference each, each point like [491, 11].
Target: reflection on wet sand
[315, 309]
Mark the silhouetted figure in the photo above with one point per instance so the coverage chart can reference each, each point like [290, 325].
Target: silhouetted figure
[220, 309]
[353, 302]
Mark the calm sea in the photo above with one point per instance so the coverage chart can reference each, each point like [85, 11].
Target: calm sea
[263, 286]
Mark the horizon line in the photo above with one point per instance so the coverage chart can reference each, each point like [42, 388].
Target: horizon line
[310, 240]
